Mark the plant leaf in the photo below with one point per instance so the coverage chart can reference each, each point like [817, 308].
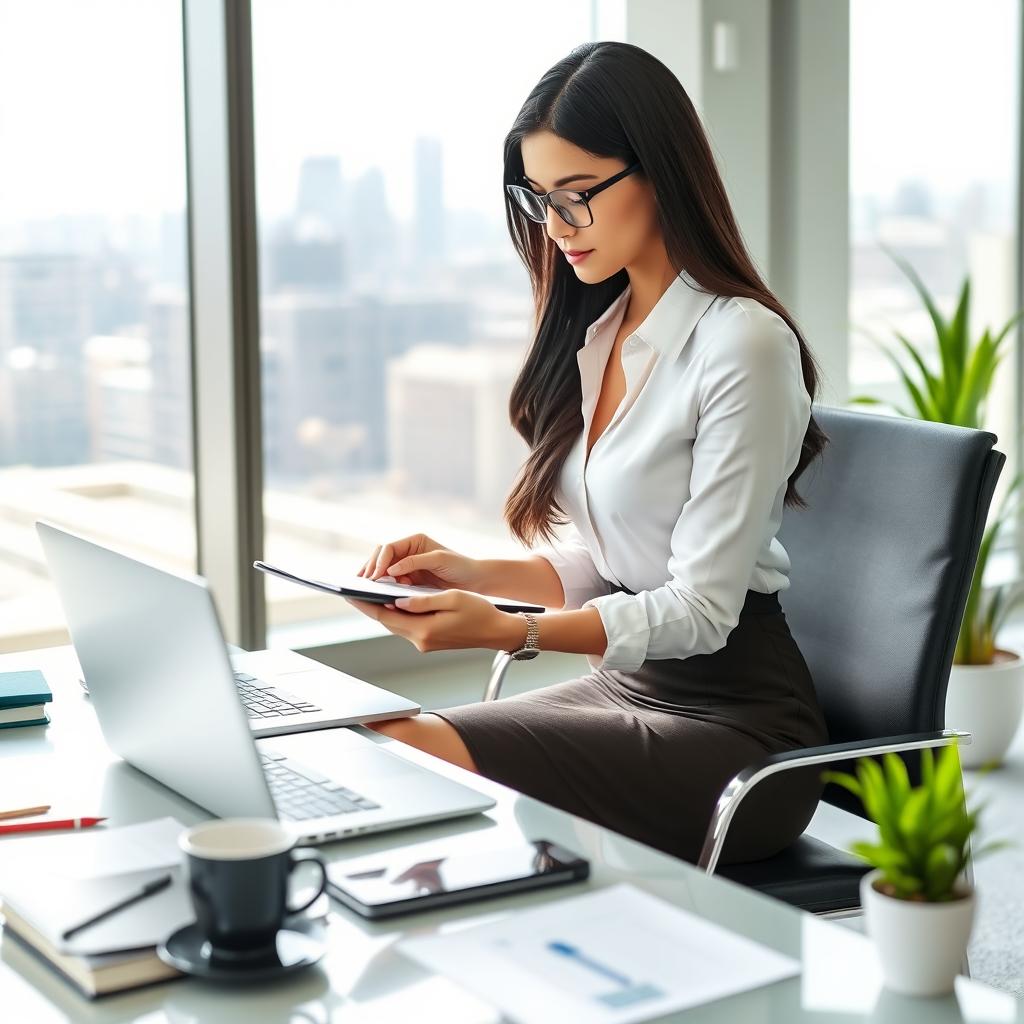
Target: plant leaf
[844, 779]
[975, 383]
[933, 383]
[956, 337]
[937, 320]
[926, 410]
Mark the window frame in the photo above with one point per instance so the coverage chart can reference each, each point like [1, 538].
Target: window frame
[225, 335]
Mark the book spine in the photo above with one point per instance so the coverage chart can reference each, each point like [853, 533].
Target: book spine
[17, 725]
[25, 701]
[39, 955]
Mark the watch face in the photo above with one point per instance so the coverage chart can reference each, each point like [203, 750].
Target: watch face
[526, 655]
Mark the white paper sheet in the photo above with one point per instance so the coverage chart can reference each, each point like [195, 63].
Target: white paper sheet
[615, 955]
[96, 852]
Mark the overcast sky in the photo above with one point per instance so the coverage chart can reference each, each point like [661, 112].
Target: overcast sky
[91, 112]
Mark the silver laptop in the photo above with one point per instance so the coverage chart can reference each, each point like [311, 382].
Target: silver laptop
[283, 691]
[165, 693]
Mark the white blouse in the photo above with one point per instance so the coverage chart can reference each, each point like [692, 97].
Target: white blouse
[682, 494]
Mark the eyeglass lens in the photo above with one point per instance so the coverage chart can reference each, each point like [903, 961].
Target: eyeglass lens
[571, 206]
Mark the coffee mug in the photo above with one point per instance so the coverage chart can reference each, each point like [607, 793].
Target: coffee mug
[238, 870]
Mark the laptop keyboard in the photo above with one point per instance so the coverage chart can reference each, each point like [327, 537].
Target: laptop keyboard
[301, 792]
[263, 700]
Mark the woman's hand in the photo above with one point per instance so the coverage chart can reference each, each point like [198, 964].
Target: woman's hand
[451, 620]
[422, 562]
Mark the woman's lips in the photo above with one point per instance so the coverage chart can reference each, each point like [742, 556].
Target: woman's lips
[578, 256]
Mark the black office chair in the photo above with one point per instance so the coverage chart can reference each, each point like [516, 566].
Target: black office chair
[882, 561]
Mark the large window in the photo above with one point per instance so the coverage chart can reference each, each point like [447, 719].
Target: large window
[394, 312]
[933, 150]
[94, 369]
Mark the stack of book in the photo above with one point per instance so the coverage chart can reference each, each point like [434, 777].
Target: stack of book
[94, 974]
[23, 696]
[53, 883]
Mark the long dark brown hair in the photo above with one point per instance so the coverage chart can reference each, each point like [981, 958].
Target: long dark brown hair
[616, 100]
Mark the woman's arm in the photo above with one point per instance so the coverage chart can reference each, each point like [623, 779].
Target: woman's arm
[531, 579]
[561, 575]
[574, 632]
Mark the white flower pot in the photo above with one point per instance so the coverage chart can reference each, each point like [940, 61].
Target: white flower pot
[921, 946]
[986, 701]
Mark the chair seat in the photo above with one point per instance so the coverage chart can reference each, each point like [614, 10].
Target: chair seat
[810, 874]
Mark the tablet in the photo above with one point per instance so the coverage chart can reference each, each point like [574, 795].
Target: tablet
[404, 880]
[384, 590]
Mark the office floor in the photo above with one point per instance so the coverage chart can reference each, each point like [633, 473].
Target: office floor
[997, 942]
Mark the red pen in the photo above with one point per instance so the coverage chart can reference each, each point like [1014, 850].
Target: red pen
[43, 826]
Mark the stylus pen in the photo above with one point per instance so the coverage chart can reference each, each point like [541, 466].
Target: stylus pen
[147, 890]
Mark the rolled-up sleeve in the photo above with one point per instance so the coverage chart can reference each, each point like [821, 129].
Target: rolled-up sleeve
[753, 412]
[571, 559]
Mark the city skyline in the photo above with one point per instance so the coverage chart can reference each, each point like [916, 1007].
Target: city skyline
[293, 65]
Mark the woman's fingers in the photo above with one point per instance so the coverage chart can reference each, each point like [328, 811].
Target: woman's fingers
[367, 569]
[371, 568]
[385, 554]
[384, 558]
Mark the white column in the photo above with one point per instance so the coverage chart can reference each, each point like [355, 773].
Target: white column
[771, 81]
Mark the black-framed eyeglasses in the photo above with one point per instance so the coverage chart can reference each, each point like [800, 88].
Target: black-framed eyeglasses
[571, 205]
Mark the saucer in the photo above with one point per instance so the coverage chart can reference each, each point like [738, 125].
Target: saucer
[293, 950]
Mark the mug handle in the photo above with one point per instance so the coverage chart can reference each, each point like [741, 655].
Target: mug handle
[310, 858]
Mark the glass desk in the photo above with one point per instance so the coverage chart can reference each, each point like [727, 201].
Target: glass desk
[363, 978]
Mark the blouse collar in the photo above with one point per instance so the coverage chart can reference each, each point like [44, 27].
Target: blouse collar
[670, 323]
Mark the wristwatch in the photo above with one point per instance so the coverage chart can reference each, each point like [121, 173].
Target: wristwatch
[530, 648]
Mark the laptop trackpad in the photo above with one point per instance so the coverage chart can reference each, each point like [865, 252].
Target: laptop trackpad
[341, 754]
[375, 762]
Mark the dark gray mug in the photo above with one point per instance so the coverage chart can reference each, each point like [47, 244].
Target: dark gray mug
[238, 871]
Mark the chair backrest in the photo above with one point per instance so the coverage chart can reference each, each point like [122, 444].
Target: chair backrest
[882, 561]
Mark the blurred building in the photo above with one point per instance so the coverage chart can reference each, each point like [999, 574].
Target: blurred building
[449, 426]
[324, 390]
[46, 304]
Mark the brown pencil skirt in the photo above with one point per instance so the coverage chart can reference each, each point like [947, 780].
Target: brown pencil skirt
[647, 753]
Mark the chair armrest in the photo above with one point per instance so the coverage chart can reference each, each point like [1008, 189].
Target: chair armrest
[746, 780]
[502, 660]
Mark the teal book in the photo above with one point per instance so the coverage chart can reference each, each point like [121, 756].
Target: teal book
[44, 720]
[22, 689]
[23, 696]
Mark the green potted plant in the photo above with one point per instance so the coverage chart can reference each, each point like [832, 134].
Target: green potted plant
[918, 905]
[985, 694]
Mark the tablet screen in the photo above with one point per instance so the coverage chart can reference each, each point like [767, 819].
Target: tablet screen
[383, 590]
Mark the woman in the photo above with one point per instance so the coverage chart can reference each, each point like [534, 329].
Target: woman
[666, 401]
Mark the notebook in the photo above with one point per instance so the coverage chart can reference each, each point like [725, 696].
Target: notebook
[93, 975]
[22, 699]
[50, 883]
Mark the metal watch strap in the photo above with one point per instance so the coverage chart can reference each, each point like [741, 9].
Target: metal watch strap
[532, 638]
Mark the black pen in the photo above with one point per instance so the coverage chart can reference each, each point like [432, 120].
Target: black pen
[147, 890]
